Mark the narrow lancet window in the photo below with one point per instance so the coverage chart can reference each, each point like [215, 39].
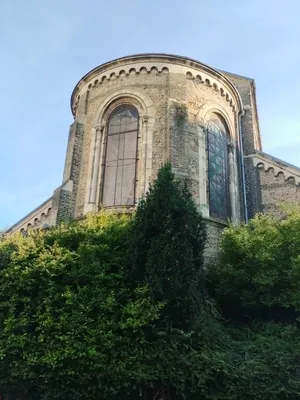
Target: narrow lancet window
[218, 173]
[121, 157]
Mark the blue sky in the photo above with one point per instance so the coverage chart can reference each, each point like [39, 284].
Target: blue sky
[48, 45]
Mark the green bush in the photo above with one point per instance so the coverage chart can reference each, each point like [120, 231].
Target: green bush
[118, 309]
[259, 269]
[73, 327]
[255, 285]
[166, 249]
[69, 325]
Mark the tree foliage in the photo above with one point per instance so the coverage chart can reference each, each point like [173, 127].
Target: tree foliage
[118, 309]
[72, 327]
[66, 314]
[256, 287]
[166, 248]
[259, 269]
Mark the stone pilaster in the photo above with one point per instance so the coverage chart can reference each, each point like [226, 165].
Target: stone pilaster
[95, 170]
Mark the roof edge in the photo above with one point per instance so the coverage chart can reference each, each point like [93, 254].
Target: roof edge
[236, 75]
[170, 57]
[272, 158]
[28, 214]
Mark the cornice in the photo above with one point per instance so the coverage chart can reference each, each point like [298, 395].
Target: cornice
[29, 218]
[267, 164]
[158, 64]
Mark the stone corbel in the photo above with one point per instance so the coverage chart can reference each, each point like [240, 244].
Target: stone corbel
[230, 148]
[145, 119]
[99, 128]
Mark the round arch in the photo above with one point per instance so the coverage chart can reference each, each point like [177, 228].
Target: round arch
[118, 180]
[218, 120]
[141, 101]
[146, 112]
[218, 171]
[214, 108]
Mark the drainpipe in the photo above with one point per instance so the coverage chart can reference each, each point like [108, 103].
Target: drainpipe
[243, 167]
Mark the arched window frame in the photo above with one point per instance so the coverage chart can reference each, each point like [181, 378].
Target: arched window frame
[146, 110]
[122, 134]
[219, 203]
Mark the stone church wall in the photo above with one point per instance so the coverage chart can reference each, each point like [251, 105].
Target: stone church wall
[36, 219]
[275, 182]
[154, 86]
[276, 189]
[174, 97]
[177, 100]
[249, 126]
[249, 118]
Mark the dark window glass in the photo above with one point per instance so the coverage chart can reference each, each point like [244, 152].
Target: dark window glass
[120, 159]
[218, 169]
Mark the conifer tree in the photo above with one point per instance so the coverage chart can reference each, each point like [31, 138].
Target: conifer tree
[166, 248]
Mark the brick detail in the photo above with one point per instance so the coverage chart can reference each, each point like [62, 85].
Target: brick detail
[253, 188]
[64, 198]
[174, 97]
[65, 208]
[275, 190]
[214, 232]
[249, 120]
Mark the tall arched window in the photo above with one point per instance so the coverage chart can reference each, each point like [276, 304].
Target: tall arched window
[218, 173]
[120, 158]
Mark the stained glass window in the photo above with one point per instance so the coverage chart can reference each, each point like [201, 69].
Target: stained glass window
[218, 168]
[121, 156]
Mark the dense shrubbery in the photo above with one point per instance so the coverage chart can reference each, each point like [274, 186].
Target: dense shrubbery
[118, 308]
[66, 314]
[256, 284]
[166, 249]
[259, 269]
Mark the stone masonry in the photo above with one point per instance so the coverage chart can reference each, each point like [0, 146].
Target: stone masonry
[175, 98]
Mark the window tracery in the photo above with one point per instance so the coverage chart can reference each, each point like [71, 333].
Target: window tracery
[120, 157]
[218, 171]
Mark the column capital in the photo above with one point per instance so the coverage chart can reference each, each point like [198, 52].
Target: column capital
[99, 128]
[145, 119]
[230, 147]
